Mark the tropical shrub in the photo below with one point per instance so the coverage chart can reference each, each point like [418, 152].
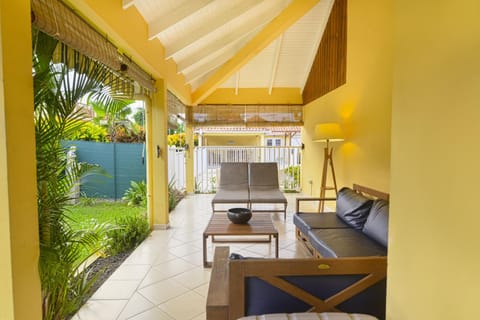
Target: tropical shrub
[58, 89]
[178, 139]
[131, 231]
[136, 195]
[294, 173]
[174, 195]
[90, 132]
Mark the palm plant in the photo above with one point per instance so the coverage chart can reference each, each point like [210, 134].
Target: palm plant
[58, 88]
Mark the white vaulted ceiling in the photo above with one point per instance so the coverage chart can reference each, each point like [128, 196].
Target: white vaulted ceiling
[201, 36]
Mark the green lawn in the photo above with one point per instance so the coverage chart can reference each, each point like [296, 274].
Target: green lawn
[85, 214]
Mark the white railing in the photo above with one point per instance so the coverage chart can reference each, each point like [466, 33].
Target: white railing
[207, 164]
[176, 167]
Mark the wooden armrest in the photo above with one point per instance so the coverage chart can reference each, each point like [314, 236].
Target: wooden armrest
[298, 200]
[217, 298]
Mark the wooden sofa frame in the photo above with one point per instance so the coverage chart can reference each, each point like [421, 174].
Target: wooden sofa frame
[365, 191]
[226, 295]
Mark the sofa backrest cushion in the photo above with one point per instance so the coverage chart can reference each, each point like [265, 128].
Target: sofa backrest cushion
[353, 208]
[376, 226]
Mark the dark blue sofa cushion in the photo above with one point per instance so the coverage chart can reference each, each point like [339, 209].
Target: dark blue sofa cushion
[325, 220]
[353, 208]
[262, 298]
[376, 226]
[335, 243]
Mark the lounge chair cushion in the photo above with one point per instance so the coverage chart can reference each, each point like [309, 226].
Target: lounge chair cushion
[233, 175]
[263, 174]
[231, 196]
[266, 195]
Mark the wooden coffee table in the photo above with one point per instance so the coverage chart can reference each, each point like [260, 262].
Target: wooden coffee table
[259, 225]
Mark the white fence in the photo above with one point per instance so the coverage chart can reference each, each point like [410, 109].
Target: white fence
[207, 164]
[176, 167]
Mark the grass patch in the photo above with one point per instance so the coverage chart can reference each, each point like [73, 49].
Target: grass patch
[86, 213]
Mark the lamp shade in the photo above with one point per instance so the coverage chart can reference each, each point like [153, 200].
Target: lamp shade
[328, 132]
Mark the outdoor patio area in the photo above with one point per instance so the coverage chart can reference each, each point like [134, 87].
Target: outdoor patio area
[164, 278]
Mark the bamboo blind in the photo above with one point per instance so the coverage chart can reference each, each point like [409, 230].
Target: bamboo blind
[245, 115]
[56, 19]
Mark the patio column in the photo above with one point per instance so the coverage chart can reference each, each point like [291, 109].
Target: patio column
[189, 154]
[157, 156]
[20, 293]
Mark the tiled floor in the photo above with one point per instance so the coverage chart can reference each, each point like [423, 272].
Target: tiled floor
[164, 278]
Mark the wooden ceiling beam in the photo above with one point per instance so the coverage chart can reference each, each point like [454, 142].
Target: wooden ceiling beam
[293, 12]
[225, 12]
[163, 22]
[229, 41]
[127, 4]
[278, 47]
[234, 39]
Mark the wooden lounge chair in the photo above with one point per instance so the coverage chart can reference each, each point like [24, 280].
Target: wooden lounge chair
[233, 184]
[264, 187]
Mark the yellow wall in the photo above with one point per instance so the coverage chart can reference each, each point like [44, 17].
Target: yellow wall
[434, 258]
[20, 297]
[362, 106]
[232, 140]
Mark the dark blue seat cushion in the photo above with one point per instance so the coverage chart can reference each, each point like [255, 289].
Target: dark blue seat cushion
[326, 220]
[334, 243]
[376, 226]
[353, 208]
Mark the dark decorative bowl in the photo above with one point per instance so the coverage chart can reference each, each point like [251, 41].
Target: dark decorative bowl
[239, 215]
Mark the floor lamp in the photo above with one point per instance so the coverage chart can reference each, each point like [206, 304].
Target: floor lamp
[327, 132]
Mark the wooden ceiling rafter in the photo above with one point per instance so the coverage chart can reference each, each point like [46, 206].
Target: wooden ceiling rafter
[278, 47]
[293, 12]
[183, 11]
[234, 10]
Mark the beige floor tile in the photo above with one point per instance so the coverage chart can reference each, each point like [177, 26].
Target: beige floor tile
[177, 309]
[164, 256]
[116, 290]
[174, 267]
[164, 276]
[153, 276]
[184, 250]
[130, 272]
[101, 309]
[202, 290]
[162, 291]
[202, 316]
[136, 305]
[193, 278]
[152, 314]
[194, 258]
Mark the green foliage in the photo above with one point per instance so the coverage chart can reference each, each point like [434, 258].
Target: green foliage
[136, 195]
[58, 89]
[293, 172]
[90, 132]
[174, 195]
[139, 117]
[130, 232]
[178, 139]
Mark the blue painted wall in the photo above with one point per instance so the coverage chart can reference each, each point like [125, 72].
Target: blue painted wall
[122, 162]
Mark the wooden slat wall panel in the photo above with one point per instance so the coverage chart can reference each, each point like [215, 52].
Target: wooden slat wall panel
[329, 70]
